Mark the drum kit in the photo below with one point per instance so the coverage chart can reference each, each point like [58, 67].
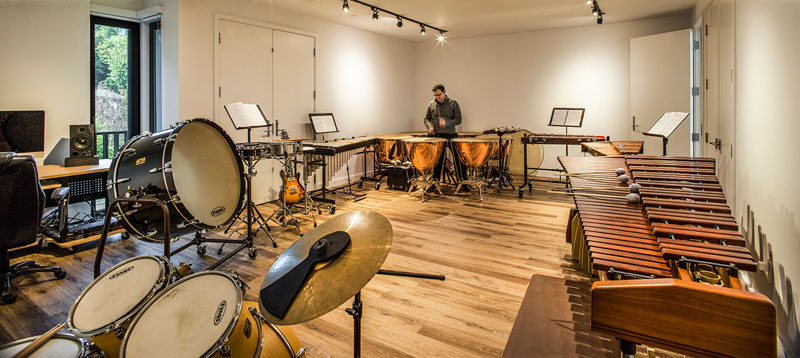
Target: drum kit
[145, 307]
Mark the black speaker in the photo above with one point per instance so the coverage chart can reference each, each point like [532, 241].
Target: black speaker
[81, 146]
[81, 140]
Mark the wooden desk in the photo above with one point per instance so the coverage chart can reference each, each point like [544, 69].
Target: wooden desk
[55, 171]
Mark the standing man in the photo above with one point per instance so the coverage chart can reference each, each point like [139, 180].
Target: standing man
[441, 118]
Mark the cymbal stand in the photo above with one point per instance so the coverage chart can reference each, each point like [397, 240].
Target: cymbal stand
[250, 206]
[356, 309]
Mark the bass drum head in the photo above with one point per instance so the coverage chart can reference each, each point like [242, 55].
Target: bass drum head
[515, 157]
[116, 294]
[60, 345]
[188, 319]
[207, 173]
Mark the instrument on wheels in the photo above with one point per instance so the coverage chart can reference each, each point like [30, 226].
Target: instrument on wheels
[60, 345]
[194, 168]
[104, 310]
[674, 258]
[475, 153]
[424, 152]
[577, 139]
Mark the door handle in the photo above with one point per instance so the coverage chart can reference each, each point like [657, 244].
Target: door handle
[634, 125]
[717, 144]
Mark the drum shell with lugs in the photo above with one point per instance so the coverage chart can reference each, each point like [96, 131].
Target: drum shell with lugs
[109, 303]
[193, 168]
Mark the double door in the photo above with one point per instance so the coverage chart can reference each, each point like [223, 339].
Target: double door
[274, 69]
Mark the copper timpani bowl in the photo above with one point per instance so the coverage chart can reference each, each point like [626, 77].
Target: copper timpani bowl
[474, 152]
[424, 152]
[390, 147]
[495, 151]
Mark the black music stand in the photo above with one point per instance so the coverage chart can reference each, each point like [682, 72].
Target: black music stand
[321, 124]
[665, 126]
[566, 117]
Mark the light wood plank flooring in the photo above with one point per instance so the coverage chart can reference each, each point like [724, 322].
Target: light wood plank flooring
[488, 251]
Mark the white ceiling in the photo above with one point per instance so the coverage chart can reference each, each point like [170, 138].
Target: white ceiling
[469, 18]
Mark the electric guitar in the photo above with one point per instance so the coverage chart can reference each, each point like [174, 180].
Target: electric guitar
[293, 191]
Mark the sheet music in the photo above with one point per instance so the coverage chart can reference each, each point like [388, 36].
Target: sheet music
[574, 117]
[667, 124]
[559, 117]
[244, 115]
[323, 123]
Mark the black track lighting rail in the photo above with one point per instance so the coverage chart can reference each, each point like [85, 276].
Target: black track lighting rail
[398, 16]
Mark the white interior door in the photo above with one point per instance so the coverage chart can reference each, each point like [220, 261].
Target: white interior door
[245, 75]
[294, 86]
[661, 82]
[727, 106]
[294, 82]
[711, 71]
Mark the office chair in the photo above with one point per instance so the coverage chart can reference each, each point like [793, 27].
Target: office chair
[22, 203]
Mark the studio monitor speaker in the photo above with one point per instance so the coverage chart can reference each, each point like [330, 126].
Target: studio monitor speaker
[81, 146]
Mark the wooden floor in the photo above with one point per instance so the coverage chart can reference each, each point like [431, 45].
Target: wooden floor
[488, 251]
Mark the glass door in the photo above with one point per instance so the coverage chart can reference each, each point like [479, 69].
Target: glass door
[114, 82]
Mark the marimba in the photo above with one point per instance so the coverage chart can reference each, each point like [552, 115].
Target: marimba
[669, 266]
[599, 149]
[335, 154]
[539, 138]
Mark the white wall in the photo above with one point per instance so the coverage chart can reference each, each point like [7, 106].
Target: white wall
[516, 79]
[767, 167]
[363, 78]
[44, 62]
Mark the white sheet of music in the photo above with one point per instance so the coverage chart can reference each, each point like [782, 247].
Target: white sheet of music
[324, 124]
[245, 115]
[668, 122]
[573, 118]
[559, 117]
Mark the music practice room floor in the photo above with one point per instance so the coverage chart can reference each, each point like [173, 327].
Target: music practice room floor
[488, 252]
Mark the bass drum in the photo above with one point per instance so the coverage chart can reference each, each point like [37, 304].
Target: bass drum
[193, 168]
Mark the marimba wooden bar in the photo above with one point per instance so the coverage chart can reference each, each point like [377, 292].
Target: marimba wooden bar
[669, 266]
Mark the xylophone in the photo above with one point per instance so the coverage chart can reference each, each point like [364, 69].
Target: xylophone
[668, 265]
[599, 149]
[539, 138]
[335, 154]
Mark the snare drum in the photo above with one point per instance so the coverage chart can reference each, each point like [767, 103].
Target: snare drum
[200, 315]
[283, 148]
[105, 308]
[194, 168]
[59, 345]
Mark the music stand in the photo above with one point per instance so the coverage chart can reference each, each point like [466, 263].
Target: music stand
[246, 116]
[323, 123]
[566, 117]
[665, 125]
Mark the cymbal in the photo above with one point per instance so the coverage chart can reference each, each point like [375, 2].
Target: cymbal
[333, 283]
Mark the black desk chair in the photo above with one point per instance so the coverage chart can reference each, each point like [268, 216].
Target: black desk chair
[22, 203]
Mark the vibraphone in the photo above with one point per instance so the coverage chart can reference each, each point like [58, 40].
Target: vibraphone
[333, 155]
[599, 149]
[539, 138]
[669, 266]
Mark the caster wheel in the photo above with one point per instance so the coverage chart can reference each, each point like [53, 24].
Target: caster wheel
[377, 186]
[60, 274]
[125, 235]
[219, 251]
[520, 193]
[319, 212]
[315, 224]
[360, 185]
[274, 244]
[332, 209]
[201, 250]
[9, 297]
[252, 252]
[72, 249]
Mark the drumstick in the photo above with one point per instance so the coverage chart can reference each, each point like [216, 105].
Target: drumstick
[632, 198]
[38, 342]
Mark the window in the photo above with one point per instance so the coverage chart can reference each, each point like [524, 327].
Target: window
[114, 82]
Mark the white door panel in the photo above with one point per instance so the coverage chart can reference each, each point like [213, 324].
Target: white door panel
[294, 82]
[661, 82]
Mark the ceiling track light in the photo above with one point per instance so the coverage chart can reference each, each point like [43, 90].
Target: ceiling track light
[596, 12]
[375, 10]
